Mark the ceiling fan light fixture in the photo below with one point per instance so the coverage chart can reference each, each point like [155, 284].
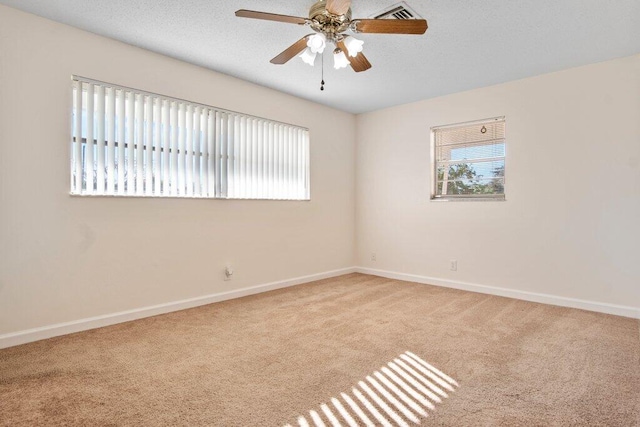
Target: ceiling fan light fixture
[330, 20]
[308, 56]
[354, 46]
[339, 59]
[317, 43]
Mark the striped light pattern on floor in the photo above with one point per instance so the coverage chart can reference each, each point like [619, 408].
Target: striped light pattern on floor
[398, 394]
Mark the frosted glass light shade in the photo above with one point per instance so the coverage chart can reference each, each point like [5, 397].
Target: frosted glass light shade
[339, 59]
[308, 56]
[317, 42]
[354, 46]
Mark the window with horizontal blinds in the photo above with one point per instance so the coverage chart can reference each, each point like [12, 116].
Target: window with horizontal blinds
[469, 160]
[127, 142]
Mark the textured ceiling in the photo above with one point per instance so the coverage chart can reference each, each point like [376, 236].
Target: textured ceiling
[469, 44]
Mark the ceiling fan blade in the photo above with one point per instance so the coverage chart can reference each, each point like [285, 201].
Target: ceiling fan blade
[338, 7]
[291, 51]
[359, 62]
[391, 26]
[242, 13]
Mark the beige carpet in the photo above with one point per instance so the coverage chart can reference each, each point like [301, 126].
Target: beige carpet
[303, 354]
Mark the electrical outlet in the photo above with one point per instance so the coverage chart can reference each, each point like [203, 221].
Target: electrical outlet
[453, 265]
[228, 273]
[373, 256]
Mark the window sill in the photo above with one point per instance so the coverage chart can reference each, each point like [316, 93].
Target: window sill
[469, 199]
[142, 196]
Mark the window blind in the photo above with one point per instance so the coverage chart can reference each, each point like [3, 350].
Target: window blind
[469, 160]
[127, 142]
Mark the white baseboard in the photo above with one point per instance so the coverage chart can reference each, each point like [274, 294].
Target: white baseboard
[36, 334]
[618, 310]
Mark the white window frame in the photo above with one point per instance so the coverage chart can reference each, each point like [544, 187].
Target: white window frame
[434, 196]
[189, 150]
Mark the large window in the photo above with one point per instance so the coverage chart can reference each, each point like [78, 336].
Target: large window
[469, 160]
[127, 142]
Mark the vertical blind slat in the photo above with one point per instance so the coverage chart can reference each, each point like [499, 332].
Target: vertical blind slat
[280, 160]
[204, 143]
[246, 159]
[192, 144]
[237, 158]
[260, 157]
[303, 165]
[297, 159]
[249, 158]
[100, 140]
[285, 165]
[273, 161]
[277, 141]
[77, 166]
[120, 138]
[189, 151]
[139, 154]
[111, 136]
[224, 134]
[269, 175]
[130, 179]
[254, 159]
[181, 150]
[166, 147]
[264, 184]
[290, 175]
[283, 161]
[234, 141]
[197, 150]
[148, 146]
[173, 118]
[218, 154]
[156, 147]
[212, 157]
[228, 157]
[294, 164]
[307, 166]
[88, 155]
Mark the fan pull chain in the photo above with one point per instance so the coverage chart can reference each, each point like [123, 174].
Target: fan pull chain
[322, 81]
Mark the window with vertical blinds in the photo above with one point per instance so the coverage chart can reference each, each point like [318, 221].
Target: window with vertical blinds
[469, 160]
[127, 142]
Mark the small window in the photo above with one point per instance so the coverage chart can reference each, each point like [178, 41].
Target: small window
[127, 142]
[469, 160]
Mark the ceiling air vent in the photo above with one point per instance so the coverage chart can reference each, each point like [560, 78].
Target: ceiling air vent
[397, 11]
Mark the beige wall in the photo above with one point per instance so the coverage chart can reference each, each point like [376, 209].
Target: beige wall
[65, 258]
[571, 224]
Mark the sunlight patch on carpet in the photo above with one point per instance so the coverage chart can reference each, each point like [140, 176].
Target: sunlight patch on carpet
[398, 394]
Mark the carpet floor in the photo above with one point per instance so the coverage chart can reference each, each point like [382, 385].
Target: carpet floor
[352, 350]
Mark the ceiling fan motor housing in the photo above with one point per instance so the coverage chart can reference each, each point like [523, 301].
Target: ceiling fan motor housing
[323, 21]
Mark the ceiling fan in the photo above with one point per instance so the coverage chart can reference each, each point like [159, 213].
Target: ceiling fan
[331, 19]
